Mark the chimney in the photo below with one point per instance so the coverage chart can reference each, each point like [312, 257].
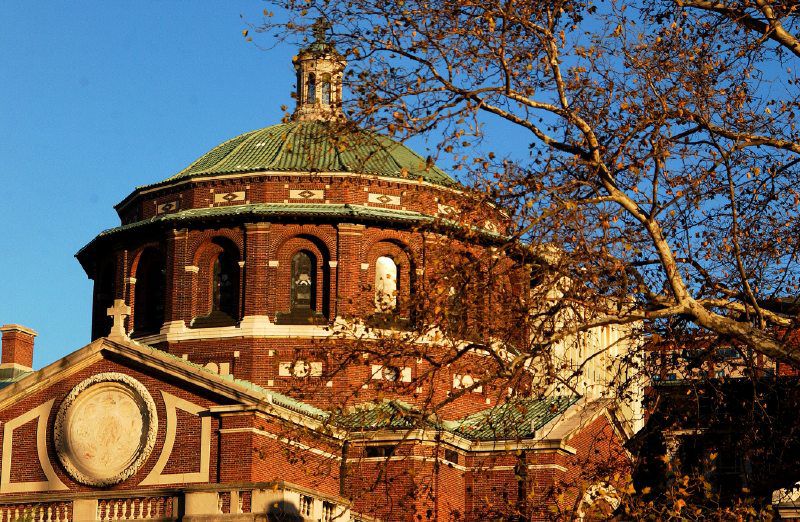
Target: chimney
[17, 350]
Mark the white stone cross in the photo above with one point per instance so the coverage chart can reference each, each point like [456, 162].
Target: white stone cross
[118, 312]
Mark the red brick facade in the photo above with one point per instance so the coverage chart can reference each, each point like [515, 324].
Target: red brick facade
[247, 383]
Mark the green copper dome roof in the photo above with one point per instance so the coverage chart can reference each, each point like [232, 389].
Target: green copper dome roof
[315, 146]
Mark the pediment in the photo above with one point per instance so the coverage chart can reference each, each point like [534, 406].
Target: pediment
[111, 415]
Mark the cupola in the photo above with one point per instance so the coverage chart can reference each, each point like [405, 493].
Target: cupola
[319, 79]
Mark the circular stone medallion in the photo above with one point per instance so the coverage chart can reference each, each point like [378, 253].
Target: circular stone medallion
[105, 429]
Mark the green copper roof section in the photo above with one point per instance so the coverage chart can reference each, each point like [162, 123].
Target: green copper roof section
[315, 146]
[515, 419]
[394, 414]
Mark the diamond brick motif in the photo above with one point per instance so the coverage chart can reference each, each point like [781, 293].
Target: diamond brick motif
[230, 196]
[305, 194]
[384, 199]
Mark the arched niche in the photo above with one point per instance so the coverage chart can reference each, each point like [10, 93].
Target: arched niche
[302, 292]
[149, 298]
[218, 291]
[390, 281]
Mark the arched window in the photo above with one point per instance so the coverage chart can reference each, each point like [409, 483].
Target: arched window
[225, 285]
[311, 88]
[149, 296]
[304, 283]
[325, 89]
[386, 284]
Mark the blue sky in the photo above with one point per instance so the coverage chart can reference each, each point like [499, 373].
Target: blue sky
[96, 98]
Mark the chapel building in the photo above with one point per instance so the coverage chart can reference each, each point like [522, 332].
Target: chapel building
[254, 355]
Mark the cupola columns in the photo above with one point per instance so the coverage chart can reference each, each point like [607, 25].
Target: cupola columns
[319, 79]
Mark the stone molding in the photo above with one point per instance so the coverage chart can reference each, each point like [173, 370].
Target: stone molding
[156, 475]
[53, 483]
[62, 427]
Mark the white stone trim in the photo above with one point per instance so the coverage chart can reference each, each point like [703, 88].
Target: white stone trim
[446, 210]
[315, 175]
[422, 458]
[156, 477]
[150, 423]
[229, 197]
[333, 264]
[15, 366]
[314, 194]
[284, 440]
[53, 483]
[273, 263]
[364, 266]
[191, 268]
[168, 206]
[383, 199]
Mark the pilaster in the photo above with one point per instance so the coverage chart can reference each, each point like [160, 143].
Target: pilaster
[349, 239]
[256, 275]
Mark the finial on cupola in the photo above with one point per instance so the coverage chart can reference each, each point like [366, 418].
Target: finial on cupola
[319, 78]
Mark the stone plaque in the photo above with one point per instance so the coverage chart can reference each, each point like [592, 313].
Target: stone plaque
[105, 429]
